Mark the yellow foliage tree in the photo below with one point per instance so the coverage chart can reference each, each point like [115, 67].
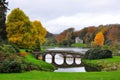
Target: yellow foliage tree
[23, 32]
[99, 39]
[41, 31]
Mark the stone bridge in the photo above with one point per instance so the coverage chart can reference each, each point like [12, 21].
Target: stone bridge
[65, 54]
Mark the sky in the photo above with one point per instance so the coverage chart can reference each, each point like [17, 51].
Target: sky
[58, 15]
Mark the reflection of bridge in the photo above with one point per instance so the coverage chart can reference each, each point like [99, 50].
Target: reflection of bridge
[64, 54]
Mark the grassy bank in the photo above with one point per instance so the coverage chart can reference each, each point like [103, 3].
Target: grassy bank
[109, 64]
[35, 75]
[43, 65]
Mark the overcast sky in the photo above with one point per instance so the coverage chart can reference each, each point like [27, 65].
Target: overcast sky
[58, 15]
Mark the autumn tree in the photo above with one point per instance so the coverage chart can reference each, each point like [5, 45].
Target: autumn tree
[86, 34]
[40, 31]
[66, 37]
[113, 34]
[83, 33]
[99, 39]
[3, 10]
[88, 38]
[20, 30]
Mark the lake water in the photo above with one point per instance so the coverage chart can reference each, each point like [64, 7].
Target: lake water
[59, 60]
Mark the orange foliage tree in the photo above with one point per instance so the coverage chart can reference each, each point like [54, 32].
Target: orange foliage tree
[99, 39]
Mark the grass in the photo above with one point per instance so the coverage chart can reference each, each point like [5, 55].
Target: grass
[35, 75]
[44, 66]
[108, 64]
[79, 45]
[110, 60]
[30, 58]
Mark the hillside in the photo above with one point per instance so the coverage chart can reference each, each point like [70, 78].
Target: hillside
[111, 34]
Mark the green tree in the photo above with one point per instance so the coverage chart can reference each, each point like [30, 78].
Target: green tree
[20, 30]
[3, 10]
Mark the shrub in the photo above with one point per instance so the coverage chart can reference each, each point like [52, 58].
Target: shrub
[15, 47]
[106, 54]
[10, 63]
[98, 54]
[114, 48]
[7, 49]
[1, 56]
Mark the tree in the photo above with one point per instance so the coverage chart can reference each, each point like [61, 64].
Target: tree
[114, 34]
[99, 39]
[3, 10]
[20, 30]
[66, 35]
[40, 31]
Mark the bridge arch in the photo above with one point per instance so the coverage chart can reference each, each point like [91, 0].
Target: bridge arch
[59, 60]
[48, 58]
[69, 59]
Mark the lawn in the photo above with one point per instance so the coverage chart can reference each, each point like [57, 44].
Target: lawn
[108, 64]
[30, 58]
[115, 59]
[79, 45]
[35, 75]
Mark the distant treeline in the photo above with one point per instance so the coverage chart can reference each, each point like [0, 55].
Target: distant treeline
[67, 37]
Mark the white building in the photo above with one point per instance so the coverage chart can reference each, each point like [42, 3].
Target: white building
[78, 40]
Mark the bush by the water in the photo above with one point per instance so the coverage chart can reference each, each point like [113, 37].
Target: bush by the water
[98, 54]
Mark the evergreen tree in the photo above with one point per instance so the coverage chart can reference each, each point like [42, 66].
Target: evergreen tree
[3, 10]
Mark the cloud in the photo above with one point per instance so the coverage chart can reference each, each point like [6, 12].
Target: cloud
[57, 15]
[80, 21]
[50, 9]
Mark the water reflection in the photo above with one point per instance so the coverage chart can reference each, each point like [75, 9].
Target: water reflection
[69, 60]
[59, 59]
[48, 58]
[75, 69]
[81, 50]
[78, 60]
